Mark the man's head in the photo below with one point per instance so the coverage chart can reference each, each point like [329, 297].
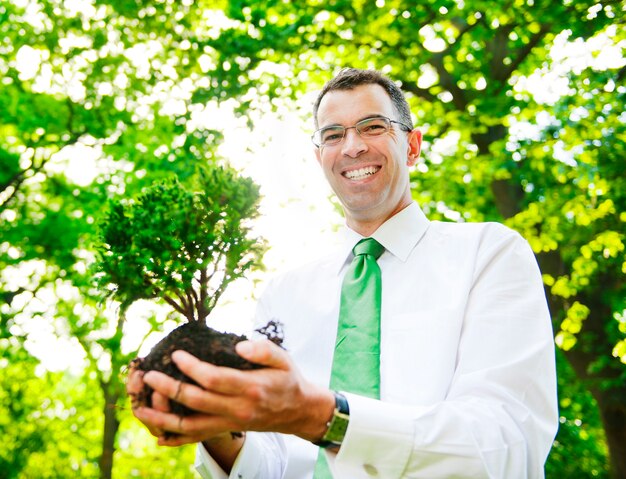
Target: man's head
[350, 78]
[366, 146]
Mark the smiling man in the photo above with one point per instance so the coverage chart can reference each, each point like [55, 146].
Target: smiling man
[367, 164]
[419, 349]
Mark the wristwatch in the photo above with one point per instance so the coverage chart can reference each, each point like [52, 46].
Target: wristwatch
[338, 425]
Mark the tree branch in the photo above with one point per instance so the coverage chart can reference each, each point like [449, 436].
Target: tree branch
[174, 304]
[463, 28]
[498, 47]
[194, 301]
[217, 293]
[219, 258]
[21, 176]
[204, 294]
[523, 54]
[447, 81]
[419, 92]
[621, 73]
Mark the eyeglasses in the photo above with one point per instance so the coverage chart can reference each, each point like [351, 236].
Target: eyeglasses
[367, 128]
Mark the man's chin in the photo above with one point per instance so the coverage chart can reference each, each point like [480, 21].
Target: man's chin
[362, 211]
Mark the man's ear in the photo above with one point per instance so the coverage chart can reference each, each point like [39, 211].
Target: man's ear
[318, 154]
[415, 147]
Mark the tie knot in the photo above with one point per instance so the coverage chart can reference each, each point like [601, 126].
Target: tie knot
[368, 246]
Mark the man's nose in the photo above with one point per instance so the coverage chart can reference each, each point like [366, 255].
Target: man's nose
[353, 144]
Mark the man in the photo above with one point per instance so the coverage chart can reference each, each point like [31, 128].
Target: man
[467, 376]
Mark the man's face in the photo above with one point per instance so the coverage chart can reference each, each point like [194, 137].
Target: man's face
[370, 176]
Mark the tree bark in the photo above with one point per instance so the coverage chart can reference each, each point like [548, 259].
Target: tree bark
[111, 425]
[611, 400]
[613, 413]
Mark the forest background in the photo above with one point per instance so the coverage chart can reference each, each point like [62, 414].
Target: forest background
[521, 103]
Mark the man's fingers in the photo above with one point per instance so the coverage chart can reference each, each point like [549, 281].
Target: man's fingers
[134, 386]
[160, 402]
[192, 426]
[221, 380]
[265, 353]
[176, 440]
[190, 395]
[134, 381]
[180, 439]
[165, 385]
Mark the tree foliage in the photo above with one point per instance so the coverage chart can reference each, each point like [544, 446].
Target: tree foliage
[183, 245]
[21, 422]
[122, 91]
[579, 429]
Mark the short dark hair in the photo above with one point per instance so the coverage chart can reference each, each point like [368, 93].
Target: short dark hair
[350, 78]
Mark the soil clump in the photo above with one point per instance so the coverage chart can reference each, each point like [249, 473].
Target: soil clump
[206, 344]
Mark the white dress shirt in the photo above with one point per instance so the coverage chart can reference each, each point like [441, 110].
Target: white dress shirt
[468, 382]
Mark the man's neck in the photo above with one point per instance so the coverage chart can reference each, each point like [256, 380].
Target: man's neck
[367, 226]
[365, 229]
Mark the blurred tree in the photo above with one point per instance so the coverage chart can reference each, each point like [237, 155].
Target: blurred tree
[120, 89]
[578, 433]
[51, 424]
[573, 213]
[22, 424]
[49, 421]
[94, 105]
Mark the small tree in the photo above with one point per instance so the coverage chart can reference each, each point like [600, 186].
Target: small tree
[182, 244]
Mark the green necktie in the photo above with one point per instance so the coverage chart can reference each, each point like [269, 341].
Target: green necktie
[356, 362]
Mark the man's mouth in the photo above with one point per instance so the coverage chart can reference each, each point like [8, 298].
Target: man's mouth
[361, 173]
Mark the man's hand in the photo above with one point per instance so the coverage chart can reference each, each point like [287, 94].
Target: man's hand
[276, 398]
[134, 387]
[223, 447]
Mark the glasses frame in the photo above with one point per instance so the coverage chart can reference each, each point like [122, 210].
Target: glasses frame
[319, 144]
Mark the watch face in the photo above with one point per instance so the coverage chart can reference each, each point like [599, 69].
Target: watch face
[338, 424]
[337, 429]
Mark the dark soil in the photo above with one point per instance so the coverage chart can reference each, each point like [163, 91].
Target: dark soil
[204, 343]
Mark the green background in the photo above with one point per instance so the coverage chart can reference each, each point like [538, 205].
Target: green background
[547, 161]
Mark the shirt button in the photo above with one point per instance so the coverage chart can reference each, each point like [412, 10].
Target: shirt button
[370, 470]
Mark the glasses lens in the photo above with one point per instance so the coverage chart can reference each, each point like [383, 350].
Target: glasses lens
[331, 135]
[373, 126]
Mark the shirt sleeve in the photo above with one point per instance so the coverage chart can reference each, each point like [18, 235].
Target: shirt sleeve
[499, 417]
[262, 456]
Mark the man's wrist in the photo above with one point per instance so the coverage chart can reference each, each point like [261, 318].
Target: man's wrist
[337, 426]
[225, 448]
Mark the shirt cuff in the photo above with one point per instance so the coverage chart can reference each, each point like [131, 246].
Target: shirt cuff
[378, 442]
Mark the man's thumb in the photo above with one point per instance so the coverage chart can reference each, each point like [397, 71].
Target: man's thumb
[263, 352]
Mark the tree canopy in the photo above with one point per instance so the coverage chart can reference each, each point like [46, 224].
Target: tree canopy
[182, 245]
[521, 104]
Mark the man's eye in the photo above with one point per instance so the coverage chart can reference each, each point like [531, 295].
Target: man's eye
[332, 135]
[373, 127]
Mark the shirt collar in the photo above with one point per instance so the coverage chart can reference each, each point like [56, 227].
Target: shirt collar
[399, 235]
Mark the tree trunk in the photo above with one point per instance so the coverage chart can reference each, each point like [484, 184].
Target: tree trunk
[605, 384]
[613, 414]
[611, 400]
[594, 341]
[111, 425]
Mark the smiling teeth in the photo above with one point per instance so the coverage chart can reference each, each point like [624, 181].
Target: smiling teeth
[361, 173]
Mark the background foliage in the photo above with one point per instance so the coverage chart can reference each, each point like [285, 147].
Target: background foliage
[522, 126]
